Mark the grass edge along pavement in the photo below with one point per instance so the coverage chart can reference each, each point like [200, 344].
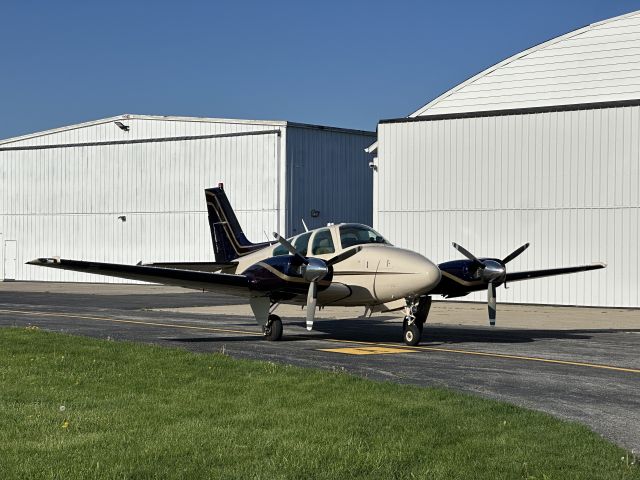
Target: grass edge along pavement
[75, 407]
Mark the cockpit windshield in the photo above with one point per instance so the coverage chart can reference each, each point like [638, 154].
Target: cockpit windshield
[352, 234]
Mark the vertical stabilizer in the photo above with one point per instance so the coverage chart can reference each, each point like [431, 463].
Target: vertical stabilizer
[229, 241]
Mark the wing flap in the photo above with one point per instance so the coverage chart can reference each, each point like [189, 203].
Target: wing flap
[215, 282]
[194, 266]
[516, 276]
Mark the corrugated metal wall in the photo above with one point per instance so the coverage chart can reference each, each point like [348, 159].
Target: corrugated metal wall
[597, 63]
[568, 182]
[66, 201]
[328, 172]
[62, 191]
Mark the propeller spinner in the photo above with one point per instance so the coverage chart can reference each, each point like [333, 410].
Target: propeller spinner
[314, 270]
[491, 272]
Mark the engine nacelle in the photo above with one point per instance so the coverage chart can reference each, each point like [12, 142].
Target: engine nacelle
[286, 274]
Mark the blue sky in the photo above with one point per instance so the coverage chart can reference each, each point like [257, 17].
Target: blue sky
[342, 63]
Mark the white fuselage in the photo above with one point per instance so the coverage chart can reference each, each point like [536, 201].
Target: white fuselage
[379, 274]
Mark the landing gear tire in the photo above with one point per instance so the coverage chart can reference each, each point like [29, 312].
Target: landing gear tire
[272, 331]
[411, 332]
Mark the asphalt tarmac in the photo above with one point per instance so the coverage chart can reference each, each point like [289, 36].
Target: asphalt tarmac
[589, 375]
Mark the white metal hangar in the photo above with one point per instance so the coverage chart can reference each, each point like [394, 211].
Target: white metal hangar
[131, 187]
[543, 147]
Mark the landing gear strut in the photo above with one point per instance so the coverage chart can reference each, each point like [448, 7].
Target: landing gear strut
[416, 313]
[272, 330]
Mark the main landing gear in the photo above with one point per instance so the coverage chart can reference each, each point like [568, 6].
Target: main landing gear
[271, 324]
[416, 313]
[272, 330]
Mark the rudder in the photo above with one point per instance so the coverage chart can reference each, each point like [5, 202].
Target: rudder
[229, 241]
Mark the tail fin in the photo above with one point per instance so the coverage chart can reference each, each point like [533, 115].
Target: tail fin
[229, 241]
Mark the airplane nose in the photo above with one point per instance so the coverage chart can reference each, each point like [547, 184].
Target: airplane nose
[431, 275]
[403, 274]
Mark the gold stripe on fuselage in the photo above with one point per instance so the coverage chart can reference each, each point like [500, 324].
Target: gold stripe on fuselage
[286, 277]
[459, 280]
[370, 272]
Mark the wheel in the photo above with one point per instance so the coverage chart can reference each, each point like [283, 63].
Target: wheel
[411, 333]
[272, 331]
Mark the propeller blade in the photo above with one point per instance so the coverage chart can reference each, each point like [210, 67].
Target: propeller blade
[312, 298]
[285, 243]
[515, 253]
[343, 256]
[491, 301]
[467, 254]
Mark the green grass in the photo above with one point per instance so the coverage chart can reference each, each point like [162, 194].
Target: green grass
[136, 411]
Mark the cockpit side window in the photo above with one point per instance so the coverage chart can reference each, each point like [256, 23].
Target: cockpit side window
[323, 243]
[302, 243]
[351, 235]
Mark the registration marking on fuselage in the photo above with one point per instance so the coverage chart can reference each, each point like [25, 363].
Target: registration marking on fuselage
[367, 350]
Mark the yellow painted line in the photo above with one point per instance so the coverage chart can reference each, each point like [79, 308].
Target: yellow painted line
[135, 322]
[498, 355]
[367, 350]
[352, 342]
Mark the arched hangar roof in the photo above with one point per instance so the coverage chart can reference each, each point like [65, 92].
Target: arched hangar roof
[597, 63]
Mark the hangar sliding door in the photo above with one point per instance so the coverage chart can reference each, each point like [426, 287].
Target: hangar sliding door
[136, 200]
[567, 181]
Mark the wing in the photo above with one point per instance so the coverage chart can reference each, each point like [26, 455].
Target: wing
[516, 276]
[216, 282]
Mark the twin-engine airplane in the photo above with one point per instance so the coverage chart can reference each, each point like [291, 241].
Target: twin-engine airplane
[347, 264]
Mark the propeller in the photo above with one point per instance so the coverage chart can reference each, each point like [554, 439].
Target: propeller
[515, 253]
[491, 272]
[314, 270]
[468, 254]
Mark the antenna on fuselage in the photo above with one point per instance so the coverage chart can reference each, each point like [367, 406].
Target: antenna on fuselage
[306, 229]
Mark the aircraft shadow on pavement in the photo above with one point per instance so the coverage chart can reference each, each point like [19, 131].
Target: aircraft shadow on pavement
[369, 330]
[374, 330]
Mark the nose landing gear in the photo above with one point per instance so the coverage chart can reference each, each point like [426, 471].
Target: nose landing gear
[416, 313]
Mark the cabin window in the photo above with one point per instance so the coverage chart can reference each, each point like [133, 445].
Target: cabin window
[302, 243]
[280, 250]
[351, 235]
[323, 243]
